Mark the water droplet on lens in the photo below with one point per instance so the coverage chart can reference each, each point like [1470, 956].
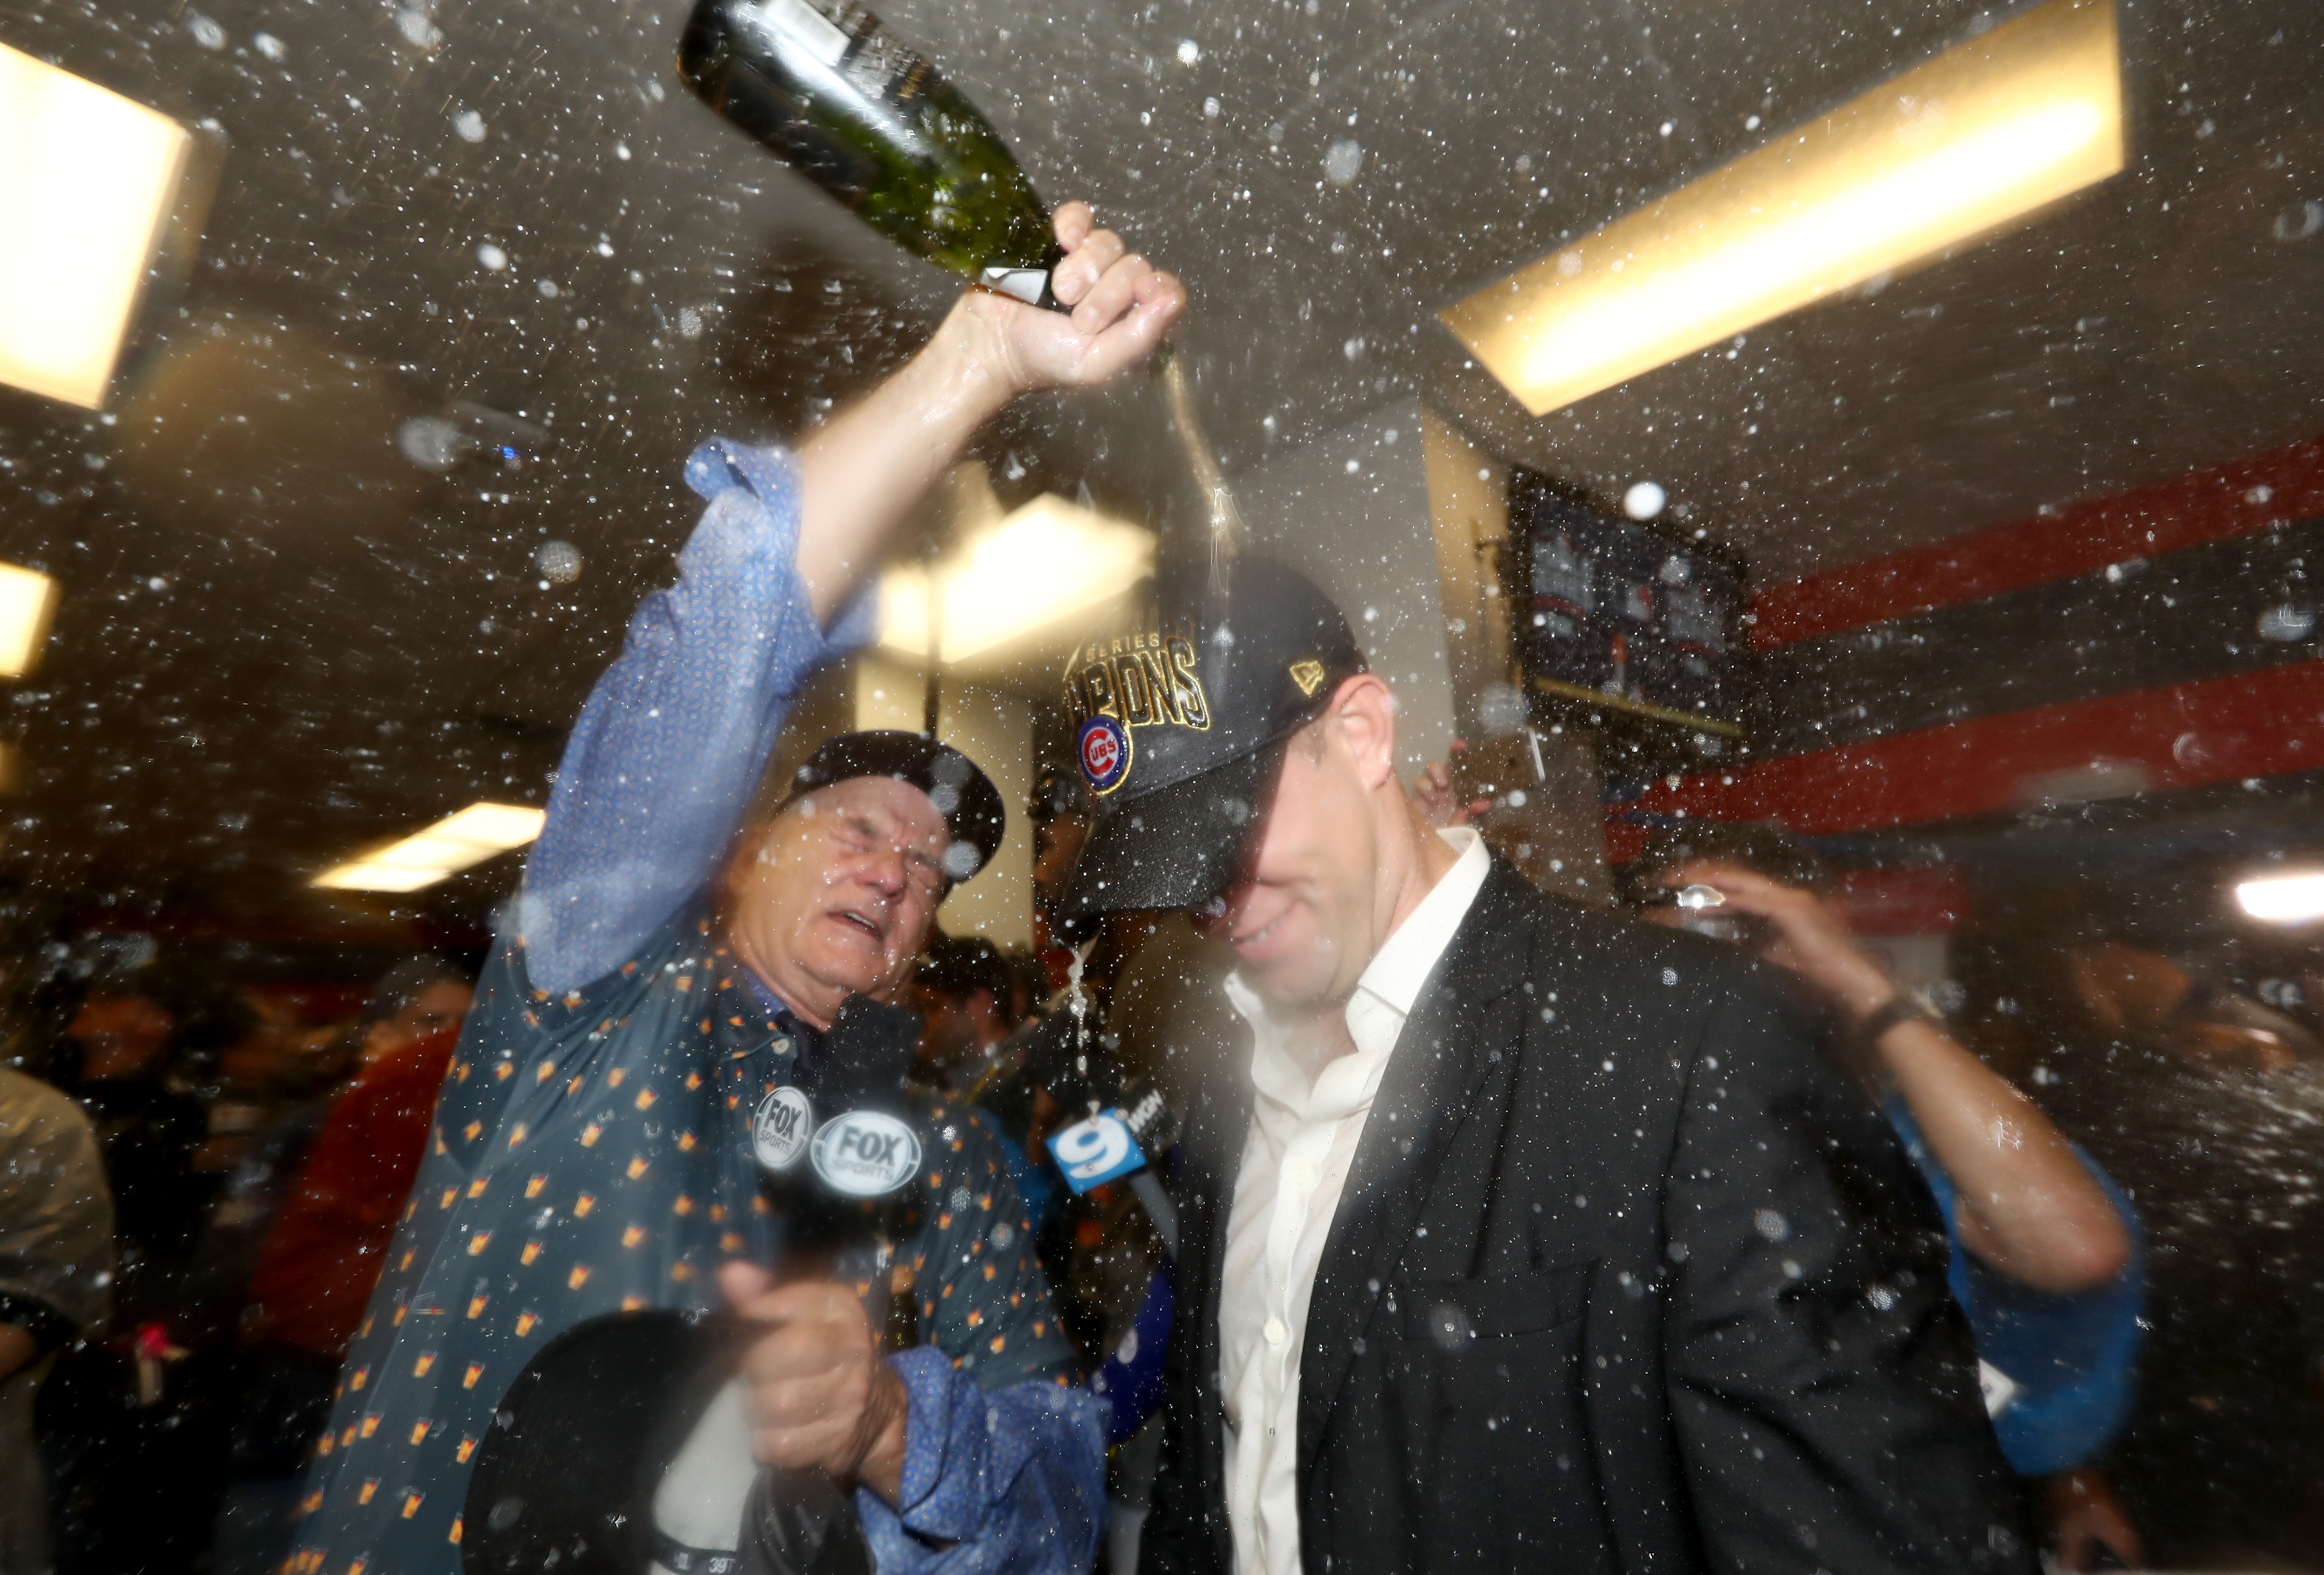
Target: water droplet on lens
[559, 562]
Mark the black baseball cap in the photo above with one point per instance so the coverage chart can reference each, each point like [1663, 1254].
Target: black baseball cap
[1181, 716]
[964, 796]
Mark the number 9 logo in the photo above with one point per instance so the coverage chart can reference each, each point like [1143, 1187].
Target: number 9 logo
[1095, 1150]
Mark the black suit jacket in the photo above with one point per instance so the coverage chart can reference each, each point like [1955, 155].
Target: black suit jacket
[1624, 1278]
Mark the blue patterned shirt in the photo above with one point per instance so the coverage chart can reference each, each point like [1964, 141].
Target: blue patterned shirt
[590, 1151]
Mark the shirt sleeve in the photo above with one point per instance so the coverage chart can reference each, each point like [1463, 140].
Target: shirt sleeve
[662, 761]
[2067, 1360]
[56, 1214]
[1008, 1479]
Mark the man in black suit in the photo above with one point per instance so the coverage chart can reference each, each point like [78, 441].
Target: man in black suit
[1514, 1238]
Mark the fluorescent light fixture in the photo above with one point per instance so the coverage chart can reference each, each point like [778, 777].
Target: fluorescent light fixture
[87, 181]
[27, 599]
[2287, 899]
[479, 832]
[1035, 568]
[1990, 130]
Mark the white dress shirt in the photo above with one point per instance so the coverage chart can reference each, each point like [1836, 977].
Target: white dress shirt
[1302, 1135]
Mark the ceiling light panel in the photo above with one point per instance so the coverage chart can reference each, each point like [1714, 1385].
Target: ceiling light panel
[1044, 563]
[2293, 899]
[27, 600]
[479, 832]
[87, 181]
[1989, 131]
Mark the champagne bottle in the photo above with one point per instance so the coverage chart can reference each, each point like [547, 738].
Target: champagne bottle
[833, 93]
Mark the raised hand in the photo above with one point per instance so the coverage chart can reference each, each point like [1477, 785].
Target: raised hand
[1122, 307]
[821, 1399]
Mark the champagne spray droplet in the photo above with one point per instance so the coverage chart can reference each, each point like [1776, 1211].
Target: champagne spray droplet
[1225, 521]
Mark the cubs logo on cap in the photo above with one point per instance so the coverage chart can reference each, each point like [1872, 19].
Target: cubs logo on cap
[1104, 749]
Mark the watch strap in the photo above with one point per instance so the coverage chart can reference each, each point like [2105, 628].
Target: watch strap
[1904, 1006]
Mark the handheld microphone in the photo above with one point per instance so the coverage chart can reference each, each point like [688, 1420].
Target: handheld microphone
[837, 1153]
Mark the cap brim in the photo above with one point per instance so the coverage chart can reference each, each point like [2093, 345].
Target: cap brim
[1177, 847]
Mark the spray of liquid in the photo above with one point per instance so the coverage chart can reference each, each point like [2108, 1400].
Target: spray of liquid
[1078, 1000]
[1225, 521]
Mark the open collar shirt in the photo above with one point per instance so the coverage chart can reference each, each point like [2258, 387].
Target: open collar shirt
[1303, 1133]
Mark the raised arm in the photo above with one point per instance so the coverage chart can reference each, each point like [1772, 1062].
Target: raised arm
[2030, 1208]
[662, 761]
[862, 471]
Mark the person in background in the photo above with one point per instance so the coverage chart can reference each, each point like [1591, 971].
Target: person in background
[150, 1133]
[319, 1262]
[964, 992]
[56, 1269]
[2178, 1082]
[1059, 815]
[323, 1250]
[675, 959]
[2044, 1246]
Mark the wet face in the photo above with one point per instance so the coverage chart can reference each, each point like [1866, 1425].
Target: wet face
[835, 899]
[1305, 921]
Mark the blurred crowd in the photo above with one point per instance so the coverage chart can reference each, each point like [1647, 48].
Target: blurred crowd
[201, 1178]
[199, 1182]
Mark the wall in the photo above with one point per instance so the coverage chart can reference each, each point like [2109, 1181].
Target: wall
[2158, 640]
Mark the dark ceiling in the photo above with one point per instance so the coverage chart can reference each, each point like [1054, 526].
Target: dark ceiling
[281, 638]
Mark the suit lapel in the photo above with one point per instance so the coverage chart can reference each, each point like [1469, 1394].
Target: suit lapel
[1434, 1076]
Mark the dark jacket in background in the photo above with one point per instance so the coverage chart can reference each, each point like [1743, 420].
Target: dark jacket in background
[1624, 1278]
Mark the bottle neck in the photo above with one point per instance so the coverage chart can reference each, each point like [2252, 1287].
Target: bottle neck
[1028, 284]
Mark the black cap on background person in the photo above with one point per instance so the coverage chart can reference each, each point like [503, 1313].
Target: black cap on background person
[973, 813]
[1180, 721]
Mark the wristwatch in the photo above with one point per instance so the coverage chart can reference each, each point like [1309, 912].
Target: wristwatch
[1904, 1006]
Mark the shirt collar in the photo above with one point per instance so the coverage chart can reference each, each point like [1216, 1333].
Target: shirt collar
[1405, 960]
[785, 1023]
[1385, 994]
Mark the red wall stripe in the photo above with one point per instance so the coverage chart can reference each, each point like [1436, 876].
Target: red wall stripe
[2247, 724]
[2205, 505]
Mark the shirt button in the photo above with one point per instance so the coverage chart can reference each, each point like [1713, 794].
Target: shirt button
[1274, 1331]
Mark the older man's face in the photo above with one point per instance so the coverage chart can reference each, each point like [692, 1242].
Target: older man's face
[838, 896]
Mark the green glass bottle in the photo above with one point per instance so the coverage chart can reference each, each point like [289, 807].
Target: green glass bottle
[841, 99]
[826, 88]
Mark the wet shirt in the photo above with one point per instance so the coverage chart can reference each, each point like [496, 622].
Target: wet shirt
[2057, 1369]
[590, 1150]
[1306, 1123]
